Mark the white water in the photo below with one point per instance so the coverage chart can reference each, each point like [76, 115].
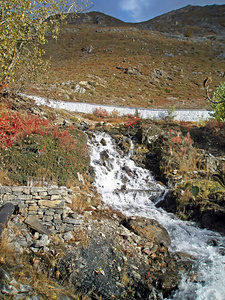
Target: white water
[133, 191]
[154, 114]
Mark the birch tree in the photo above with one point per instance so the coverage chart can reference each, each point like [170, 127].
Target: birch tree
[24, 27]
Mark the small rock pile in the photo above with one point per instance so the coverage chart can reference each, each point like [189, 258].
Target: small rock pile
[9, 287]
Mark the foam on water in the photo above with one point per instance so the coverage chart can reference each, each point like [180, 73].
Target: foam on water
[134, 191]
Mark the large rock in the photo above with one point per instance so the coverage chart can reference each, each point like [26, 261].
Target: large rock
[117, 262]
[149, 229]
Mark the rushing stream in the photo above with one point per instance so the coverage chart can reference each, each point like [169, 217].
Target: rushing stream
[134, 191]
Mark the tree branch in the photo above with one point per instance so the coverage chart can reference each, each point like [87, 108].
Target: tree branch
[206, 87]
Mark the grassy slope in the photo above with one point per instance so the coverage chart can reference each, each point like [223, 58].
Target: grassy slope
[31, 145]
[183, 64]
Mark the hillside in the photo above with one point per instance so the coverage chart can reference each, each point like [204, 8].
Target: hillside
[160, 63]
[207, 21]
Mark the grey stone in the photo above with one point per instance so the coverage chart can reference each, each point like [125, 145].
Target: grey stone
[57, 217]
[67, 200]
[54, 192]
[4, 275]
[68, 236]
[33, 207]
[9, 290]
[47, 218]
[53, 203]
[25, 197]
[37, 189]
[57, 222]
[25, 288]
[55, 197]
[67, 227]
[17, 189]
[37, 225]
[26, 191]
[22, 241]
[73, 221]
[5, 189]
[43, 242]
[49, 213]
[36, 235]
[8, 197]
[44, 193]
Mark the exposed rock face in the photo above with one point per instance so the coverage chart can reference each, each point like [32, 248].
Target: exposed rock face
[200, 21]
[119, 263]
[107, 256]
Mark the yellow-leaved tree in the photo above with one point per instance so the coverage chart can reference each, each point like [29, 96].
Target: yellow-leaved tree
[24, 25]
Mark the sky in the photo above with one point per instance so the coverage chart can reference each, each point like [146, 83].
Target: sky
[143, 10]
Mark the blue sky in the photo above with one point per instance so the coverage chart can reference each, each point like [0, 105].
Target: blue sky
[143, 10]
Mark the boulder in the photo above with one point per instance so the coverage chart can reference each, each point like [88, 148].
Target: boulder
[149, 229]
[119, 263]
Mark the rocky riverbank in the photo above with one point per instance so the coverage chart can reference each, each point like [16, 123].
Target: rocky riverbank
[107, 256]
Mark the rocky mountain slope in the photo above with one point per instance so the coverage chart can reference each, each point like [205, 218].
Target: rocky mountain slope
[159, 63]
[207, 21]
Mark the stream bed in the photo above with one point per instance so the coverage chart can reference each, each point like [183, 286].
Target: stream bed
[134, 192]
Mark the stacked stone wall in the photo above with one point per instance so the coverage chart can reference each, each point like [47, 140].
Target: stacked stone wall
[50, 205]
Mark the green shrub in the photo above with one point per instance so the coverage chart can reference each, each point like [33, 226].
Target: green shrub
[31, 147]
[219, 109]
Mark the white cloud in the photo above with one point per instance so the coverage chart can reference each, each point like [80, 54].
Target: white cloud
[135, 8]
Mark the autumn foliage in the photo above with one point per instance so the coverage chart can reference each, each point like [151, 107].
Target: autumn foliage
[132, 121]
[31, 146]
[16, 126]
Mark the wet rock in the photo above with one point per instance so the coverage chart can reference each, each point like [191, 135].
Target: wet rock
[124, 143]
[149, 229]
[106, 160]
[103, 142]
[83, 126]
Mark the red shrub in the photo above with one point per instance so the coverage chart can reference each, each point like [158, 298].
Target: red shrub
[15, 126]
[133, 120]
[176, 139]
[100, 112]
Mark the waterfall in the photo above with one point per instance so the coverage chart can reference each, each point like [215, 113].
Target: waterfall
[134, 191]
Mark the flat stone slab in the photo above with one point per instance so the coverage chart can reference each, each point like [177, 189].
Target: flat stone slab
[35, 224]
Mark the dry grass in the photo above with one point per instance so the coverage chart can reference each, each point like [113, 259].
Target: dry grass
[84, 198]
[115, 49]
[32, 269]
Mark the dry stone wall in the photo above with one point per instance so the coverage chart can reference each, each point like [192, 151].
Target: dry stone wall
[49, 205]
